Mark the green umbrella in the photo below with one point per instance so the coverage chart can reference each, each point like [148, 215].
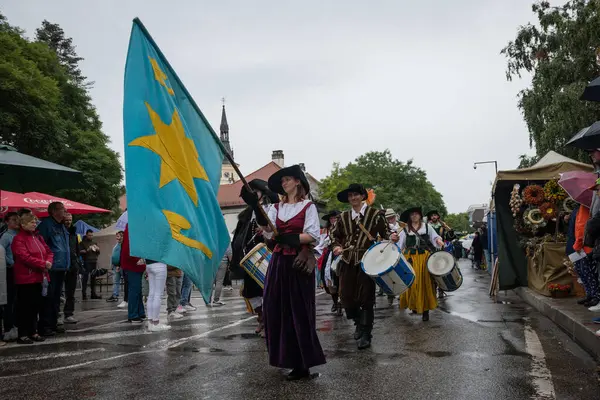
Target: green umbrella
[22, 173]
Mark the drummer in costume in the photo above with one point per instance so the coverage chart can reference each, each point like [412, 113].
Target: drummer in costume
[246, 236]
[330, 283]
[447, 234]
[417, 240]
[356, 230]
[433, 218]
[289, 310]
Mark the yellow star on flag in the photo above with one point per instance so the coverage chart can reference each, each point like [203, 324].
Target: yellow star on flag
[178, 154]
[160, 76]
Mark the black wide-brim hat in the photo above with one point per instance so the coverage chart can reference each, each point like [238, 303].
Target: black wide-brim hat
[333, 213]
[294, 171]
[353, 188]
[262, 186]
[405, 216]
[432, 212]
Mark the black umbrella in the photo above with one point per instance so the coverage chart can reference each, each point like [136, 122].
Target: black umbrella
[587, 138]
[592, 91]
[22, 173]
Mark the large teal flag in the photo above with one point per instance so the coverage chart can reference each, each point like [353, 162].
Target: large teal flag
[173, 164]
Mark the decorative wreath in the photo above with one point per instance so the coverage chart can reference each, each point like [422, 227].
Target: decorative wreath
[548, 211]
[533, 217]
[553, 192]
[533, 195]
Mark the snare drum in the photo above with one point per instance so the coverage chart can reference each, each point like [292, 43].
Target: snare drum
[444, 269]
[256, 263]
[385, 263]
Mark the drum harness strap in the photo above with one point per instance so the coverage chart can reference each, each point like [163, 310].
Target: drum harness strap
[419, 249]
[364, 230]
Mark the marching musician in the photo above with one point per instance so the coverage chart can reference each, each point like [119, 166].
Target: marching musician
[433, 218]
[443, 230]
[417, 241]
[330, 282]
[289, 310]
[246, 236]
[356, 230]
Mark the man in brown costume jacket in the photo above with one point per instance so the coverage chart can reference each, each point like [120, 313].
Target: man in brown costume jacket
[351, 241]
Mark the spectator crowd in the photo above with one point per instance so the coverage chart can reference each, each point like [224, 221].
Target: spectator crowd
[41, 263]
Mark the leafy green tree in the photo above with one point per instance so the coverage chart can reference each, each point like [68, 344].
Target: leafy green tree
[459, 222]
[561, 53]
[397, 185]
[54, 36]
[525, 161]
[47, 112]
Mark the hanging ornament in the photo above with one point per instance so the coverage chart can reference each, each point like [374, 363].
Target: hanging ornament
[516, 201]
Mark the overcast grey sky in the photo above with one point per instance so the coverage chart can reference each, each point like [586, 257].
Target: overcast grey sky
[324, 81]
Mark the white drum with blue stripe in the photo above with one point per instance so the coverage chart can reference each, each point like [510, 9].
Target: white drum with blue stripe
[444, 269]
[385, 263]
[256, 263]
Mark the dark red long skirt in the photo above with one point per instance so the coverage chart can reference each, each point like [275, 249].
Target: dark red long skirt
[289, 316]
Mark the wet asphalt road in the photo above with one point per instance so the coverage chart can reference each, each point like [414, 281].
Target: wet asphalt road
[472, 348]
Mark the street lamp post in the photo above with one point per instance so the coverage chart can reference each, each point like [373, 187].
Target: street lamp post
[486, 162]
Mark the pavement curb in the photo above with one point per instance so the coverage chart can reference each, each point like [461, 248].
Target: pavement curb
[567, 321]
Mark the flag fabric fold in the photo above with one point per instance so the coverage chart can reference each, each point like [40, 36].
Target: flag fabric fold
[173, 163]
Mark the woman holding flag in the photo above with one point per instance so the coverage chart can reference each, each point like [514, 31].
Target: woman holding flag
[289, 293]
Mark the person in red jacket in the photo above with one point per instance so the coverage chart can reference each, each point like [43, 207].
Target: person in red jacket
[135, 268]
[32, 260]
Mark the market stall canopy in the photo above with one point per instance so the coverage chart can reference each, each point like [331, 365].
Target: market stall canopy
[108, 231]
[21, 173]
[549, 167]
[512, 262]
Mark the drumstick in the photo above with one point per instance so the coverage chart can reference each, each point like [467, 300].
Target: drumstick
[385, 247]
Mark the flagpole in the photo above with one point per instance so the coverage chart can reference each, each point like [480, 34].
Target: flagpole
[210, 129]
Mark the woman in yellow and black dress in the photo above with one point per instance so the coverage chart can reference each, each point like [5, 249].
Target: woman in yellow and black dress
[417, 241]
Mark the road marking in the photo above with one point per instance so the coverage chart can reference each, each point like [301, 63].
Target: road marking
[186, 317]
[539, 372]
[164, 347]
[11, 359]
[175, 343]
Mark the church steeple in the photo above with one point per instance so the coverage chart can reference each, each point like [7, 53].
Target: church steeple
[225, 133]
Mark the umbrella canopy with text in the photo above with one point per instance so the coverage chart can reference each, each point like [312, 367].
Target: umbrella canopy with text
[38, 203]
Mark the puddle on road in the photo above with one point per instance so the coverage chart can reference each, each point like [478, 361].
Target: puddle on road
[207, 350]
[438, 354]
[240, 336]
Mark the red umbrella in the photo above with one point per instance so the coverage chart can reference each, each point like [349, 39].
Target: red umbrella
[40, 202]
[12, 200]
[577, 185]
